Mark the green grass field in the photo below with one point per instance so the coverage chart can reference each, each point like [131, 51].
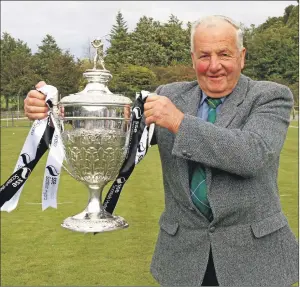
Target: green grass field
[36, 251]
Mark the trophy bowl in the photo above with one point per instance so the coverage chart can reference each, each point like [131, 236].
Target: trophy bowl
[95, 129]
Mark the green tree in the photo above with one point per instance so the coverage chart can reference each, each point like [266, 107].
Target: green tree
[131, 79]
[176, 42]
[287, 12]
[17, 73]
[57, 67]
[117, 53]
[83, 65]
[146, 48]
[65, 73]
[188, 35]
[273, 50]
[273, 53]
[156, 44]
[150, 44]
[291, 16]
[47, 51]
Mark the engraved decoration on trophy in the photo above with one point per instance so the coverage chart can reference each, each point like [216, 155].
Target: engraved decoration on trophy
[95, 128]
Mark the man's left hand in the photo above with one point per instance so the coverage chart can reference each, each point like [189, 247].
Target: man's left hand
[161, 111]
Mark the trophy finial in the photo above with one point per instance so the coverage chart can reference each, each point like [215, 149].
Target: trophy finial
[98, 45]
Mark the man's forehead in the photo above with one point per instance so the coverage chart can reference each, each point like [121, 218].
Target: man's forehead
[220, 47]
[215, 44]
[220, 26]
[216, 34]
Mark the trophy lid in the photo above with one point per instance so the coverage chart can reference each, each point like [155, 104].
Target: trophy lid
[96, 91]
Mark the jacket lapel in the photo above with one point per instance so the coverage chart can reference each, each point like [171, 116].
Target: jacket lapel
[230, 106]
[188, 102]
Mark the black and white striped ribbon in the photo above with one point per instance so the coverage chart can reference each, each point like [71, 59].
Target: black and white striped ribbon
[139, 142]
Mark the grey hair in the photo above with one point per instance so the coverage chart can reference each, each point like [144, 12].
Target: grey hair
[213, 19]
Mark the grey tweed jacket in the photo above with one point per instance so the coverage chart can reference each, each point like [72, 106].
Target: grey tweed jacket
[252, 243]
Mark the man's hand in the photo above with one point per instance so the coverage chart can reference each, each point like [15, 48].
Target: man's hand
[34, 105]
[161, 111]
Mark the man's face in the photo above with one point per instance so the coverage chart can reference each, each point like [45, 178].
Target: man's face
[216, 58]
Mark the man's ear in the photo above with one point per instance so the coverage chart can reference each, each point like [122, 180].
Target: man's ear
[193, 61]
[243, 56]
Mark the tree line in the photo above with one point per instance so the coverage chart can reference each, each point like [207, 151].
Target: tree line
[154, 53]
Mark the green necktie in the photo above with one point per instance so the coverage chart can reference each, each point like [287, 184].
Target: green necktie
[198, 182]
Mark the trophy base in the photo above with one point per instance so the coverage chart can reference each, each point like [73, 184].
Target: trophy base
[80, 223]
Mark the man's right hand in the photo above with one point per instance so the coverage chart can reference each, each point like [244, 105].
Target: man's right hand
[34, 105]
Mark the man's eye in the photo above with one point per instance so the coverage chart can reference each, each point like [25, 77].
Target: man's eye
[203, 56]
[225, 55]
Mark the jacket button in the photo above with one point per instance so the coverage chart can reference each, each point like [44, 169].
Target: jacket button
[212, 229]
[184, 152]
[191, 208]
[188, 155]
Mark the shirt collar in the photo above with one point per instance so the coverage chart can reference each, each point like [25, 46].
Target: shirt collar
[204, 96]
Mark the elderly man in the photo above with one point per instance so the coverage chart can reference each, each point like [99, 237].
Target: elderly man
[219, 139]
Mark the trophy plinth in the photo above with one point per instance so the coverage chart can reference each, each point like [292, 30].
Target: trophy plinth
[101, 223]
[95, 126]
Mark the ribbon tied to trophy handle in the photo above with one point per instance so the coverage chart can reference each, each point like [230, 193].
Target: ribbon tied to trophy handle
[56, 114]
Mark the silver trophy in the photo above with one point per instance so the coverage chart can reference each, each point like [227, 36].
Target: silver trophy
[95, 126]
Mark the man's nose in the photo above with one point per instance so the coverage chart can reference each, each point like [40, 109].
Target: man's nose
[215, 64]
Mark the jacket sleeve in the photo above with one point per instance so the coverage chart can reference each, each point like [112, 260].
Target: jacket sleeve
[242, 151]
